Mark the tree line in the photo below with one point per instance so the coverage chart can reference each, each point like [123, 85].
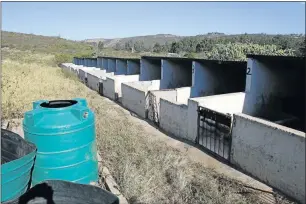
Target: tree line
[230, 47]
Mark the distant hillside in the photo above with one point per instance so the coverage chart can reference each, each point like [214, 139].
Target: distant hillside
[63, 50]
[207, 46]
[148, 40]
[46, 44]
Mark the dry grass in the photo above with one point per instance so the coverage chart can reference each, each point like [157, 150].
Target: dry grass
[147, 171]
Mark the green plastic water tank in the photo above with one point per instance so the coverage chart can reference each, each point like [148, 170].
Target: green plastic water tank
[17, 159]
[64, 134]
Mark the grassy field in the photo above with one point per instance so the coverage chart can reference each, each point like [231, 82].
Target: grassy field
[147, 171]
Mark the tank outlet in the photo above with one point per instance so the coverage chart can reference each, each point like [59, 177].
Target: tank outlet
[82, 113]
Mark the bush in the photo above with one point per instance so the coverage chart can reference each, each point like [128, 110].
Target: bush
[190, 55]
[62, 58]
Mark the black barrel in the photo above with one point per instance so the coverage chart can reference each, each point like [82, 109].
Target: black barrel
[65, 192]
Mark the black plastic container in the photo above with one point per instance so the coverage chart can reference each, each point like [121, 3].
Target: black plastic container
[17, 160]
[64, 192]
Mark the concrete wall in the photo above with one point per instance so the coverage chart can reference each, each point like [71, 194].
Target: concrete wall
[173, 118]
[211, 78]
[272, 153]
[133, 67]
[82, 75]
[112, 85]
[111, 67]
[175, 74]
[94, 77]
[105, 63]
[121, 67]
[182, 95]
[134, 95]
[274, 87]
[65, 67]
[150, 69]
[154, 102]
[224, 103]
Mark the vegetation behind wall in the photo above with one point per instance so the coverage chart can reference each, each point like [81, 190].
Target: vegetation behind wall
[211, 45]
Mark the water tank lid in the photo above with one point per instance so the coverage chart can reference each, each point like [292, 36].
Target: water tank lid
[58, 116]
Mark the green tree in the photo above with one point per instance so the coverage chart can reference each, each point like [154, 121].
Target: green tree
[176, 47]
[118, 46]
[129, 45]
[139, 46]
[302, 48]
[157, 48]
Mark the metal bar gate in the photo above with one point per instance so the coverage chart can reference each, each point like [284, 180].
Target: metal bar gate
[214, 132]
[101, 88]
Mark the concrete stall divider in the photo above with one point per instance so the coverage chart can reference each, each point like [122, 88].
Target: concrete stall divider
[270, 152]
[112, 85]
[134, 96]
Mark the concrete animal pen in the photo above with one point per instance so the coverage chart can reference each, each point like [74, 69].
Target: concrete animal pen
[246, 113]
[119, 70]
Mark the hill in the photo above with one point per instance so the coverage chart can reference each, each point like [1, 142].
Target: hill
[62, 49]
[148, 40]
[207, 46]
[44, 44]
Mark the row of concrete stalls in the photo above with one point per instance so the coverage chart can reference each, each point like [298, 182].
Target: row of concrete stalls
[176, 80]
[157, 79]
[261, 130]
[209, 78]
[71, 67]
[251, 114]
[119, 70]
[109, 73]
[274, 91]
[86, 62]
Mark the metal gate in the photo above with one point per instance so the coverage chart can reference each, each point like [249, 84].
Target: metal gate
[101, 88]
[214, 132]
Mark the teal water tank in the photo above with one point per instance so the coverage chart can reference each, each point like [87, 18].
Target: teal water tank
[17, 160]
[64, 134]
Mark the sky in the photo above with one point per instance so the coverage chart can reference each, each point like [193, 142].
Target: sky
[86, 20]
